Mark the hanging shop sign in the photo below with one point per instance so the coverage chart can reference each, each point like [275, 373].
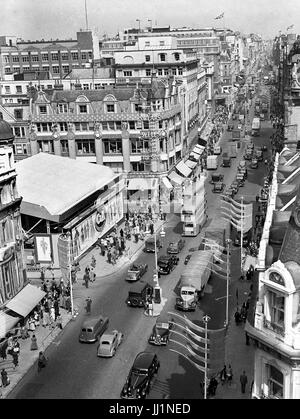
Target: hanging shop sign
[43, 248]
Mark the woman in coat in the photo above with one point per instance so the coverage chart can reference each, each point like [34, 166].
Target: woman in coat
[34, 345]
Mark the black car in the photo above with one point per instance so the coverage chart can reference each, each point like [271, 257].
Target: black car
[145, 366]
[160, 332]
[187, 258]
[166, 264]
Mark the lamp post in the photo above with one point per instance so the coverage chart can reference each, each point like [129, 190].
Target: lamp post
[150, 20]
[228, 241]
[205, 319]
[70, 273]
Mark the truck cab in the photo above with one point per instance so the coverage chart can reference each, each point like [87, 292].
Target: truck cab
[188, 299]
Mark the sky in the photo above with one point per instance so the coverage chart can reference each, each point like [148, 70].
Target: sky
[61, 19]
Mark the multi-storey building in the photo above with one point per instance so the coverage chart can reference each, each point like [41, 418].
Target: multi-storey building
[56, 57]
[162, 55]
[12, 272]
[110, 126]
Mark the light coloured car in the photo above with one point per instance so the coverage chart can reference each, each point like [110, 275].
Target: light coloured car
[109, 343]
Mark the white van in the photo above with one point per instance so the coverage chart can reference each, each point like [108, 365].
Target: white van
[217, 149]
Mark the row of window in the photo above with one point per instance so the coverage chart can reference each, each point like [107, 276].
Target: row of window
[137, 146]
[160, 72]
[54, 56]
[54, 68]
[104, 126]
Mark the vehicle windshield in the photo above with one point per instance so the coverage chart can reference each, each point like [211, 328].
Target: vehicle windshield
[187, 292]
[163, 326]
[105, 342]
[140, 371]
[131, 274]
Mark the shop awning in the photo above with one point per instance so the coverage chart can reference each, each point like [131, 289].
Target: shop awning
[142, 184]
[198, 149]
[167, 183]
[7, 323]
[174, 177]
[195, 156]
[26, 300]
[183, 169]
[191, 164]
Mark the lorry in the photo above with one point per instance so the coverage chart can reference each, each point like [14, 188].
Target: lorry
[231, 149]
[212, 162]
[226, 159]
[236, 134]
[193, 280]
[255, 128]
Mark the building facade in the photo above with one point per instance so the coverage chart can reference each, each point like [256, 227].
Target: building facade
[12, 271]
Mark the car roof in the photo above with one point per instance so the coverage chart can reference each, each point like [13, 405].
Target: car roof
[143, 360]
[164, 257]
[91, 322]
[108, 336]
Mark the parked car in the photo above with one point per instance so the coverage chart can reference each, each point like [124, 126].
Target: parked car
[150, 244]
[136, 271]
[137, 385]
[218, 187]
[240, 179]
[254, 164]
[109, 343]
[216, 177]
[230, 192]
[139, 294]
[160, 332]
[259, 155]
[248, 155]
[92, 328]
[235, 187]
[166, 263]
[187, 258]
[176, 247]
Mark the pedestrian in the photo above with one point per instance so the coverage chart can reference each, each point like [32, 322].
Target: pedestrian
[68, 304]
[214, 384]
[92, 275]
[237, 317]
[151, 228]
[121, 233]
[34, 345]
[59, 321]
[109, 256]
[243, 381]
[86, 279]
[4, 378]
[24, 332]
[229, 375]
[42, 361]
[247, 338]
[3, 350]
[223, 375]
[88, 305]
[15, 357]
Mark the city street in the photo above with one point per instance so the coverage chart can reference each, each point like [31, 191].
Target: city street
[74, 370]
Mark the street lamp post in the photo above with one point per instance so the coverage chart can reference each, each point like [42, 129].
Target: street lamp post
[70, 273]
[150, 20]
[228, 241]
[205, 319]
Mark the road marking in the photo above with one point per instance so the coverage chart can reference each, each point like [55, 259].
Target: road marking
[220, 298]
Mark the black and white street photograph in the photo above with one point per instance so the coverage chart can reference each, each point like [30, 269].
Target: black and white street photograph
[150, 202]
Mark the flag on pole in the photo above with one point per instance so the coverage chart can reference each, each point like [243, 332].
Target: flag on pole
[220, 16]
[237, 214]
[289, 27]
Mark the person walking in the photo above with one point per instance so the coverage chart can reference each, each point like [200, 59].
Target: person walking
[229, 375]
[223, 375]
[3, 349]
[243, 381]
[59, 321]
[4, 378]
[86, 279]
[88, 305]
[42, 361]
[34, 345]
[15, 357]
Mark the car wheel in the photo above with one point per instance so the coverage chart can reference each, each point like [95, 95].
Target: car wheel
[134, 302]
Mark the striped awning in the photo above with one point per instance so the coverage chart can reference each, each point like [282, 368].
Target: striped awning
[183, 169]
[142, 184]
[191, 164]
[174, 177]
